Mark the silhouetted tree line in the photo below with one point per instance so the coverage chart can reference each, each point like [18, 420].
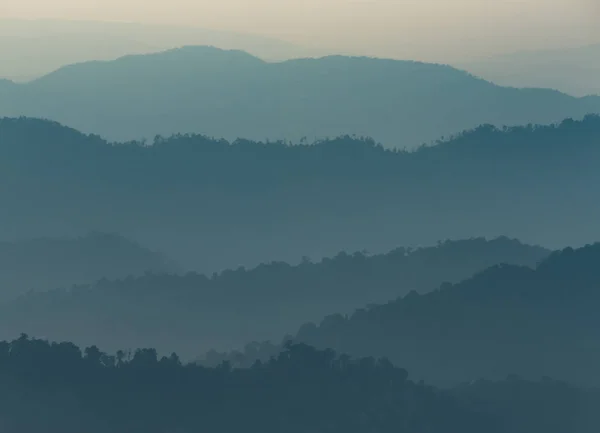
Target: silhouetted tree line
[54, 387]
[212, 204]
[194, 160]
[194, 312]
[506, 319]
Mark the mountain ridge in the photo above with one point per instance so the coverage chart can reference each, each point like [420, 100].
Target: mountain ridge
[233, 94]
[187, 54]
[507, 319]
[246, 202]
[175, 312]
[33, 48]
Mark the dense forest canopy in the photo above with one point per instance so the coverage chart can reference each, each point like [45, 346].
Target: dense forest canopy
[300, 390]
[211, 205]
[505, 320]
[194, 312]
[232, 94]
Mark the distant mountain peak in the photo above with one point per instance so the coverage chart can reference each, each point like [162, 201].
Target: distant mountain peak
[231, 94]
[185, 59]
[191, 53]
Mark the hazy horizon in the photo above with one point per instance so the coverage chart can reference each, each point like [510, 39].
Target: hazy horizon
[432, 30]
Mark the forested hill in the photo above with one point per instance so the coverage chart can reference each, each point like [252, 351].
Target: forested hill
[192, 313]
[210, 204]
[232, 94]
[505, 320]
[302, 390]
[48, 263]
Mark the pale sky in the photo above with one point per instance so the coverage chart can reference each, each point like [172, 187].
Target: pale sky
[377, 26]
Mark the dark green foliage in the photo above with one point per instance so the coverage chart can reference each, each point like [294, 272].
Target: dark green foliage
[192, 313]
[507, 319]
[210, 204]
[54, 388]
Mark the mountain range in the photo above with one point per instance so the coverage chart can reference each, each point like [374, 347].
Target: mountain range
[226, 224]
[33, 48]
[232, 94]
[191, 313]
[508, 319]
[210, 204]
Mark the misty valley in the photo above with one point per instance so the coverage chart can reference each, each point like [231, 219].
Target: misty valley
[198, 240]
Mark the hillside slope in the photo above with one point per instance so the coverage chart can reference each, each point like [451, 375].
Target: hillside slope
[32, 48]
[302, 390]
[505, 320]
[211, 205]
[192, 313]
[232, 94]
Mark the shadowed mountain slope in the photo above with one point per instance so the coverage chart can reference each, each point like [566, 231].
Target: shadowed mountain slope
[211, 205]
[506, 320]
[301, 390]
[192, 313]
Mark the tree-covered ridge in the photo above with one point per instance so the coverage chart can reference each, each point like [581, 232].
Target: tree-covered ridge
[210, 204]
[300, 390]
[506, 319]
[48, 263]
[40, 135]
[194, 312]
[232, 94]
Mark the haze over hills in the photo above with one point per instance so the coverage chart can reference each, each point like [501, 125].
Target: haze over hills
[72, 389]
[221, 212]
[231, 94]
[505, 320]
[210, 204]
[48, 263]
[192, 313]
[574, 71]
[33, 48]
